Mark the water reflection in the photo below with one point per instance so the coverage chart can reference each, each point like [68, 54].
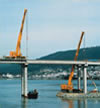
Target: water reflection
[76, 103]
[79, 103]
[24, 102]
[85, 103]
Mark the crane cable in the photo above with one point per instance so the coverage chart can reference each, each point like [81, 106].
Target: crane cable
[92, 81]
[88, 72]
[27, 35]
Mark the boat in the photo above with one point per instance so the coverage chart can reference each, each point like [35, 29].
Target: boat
[33, 94]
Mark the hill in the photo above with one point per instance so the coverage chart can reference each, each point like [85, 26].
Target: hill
[90, 53]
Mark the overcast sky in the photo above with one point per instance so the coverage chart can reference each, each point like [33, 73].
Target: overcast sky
[53, 25]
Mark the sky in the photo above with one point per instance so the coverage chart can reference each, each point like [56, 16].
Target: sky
[51, 25]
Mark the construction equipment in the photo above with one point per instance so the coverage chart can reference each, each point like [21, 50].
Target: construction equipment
[17, 53]
[69, 86]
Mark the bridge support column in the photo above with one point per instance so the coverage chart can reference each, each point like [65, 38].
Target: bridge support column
[85, 78]
[79, 77]
[24, 80]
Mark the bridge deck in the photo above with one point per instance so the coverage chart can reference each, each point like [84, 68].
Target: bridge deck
[30, 61]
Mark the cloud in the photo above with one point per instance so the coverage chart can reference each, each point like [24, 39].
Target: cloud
[80, 0]
[54, 25]
[76, 0]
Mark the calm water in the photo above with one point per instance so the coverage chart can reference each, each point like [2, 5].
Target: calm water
[10, 95]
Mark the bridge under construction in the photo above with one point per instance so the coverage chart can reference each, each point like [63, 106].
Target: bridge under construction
[24, 64]
[16, 57]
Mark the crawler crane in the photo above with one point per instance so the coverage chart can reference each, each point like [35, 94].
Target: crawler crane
[17, 53]
[69, 87]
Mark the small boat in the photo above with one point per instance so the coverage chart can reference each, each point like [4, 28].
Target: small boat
[94, 91]
[33, 94]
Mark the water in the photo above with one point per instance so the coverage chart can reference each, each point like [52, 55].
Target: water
[10, 95]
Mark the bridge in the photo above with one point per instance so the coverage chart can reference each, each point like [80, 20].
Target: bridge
[63, 62]
[25, 62]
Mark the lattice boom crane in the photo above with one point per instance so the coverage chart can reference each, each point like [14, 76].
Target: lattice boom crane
[17, 53]
[69, 86]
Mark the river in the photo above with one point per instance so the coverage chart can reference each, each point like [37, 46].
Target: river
[10, 95]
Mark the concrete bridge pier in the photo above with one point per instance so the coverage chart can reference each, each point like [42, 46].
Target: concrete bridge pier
[24, 86]
[79, 77]
[85, 78]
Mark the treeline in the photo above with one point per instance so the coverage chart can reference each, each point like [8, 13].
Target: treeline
[92, 53]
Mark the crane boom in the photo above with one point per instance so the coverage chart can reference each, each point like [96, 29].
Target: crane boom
[75, 58]
[69, 86]
[17, 53]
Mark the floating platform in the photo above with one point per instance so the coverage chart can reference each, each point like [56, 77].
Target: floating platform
[78, 95]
